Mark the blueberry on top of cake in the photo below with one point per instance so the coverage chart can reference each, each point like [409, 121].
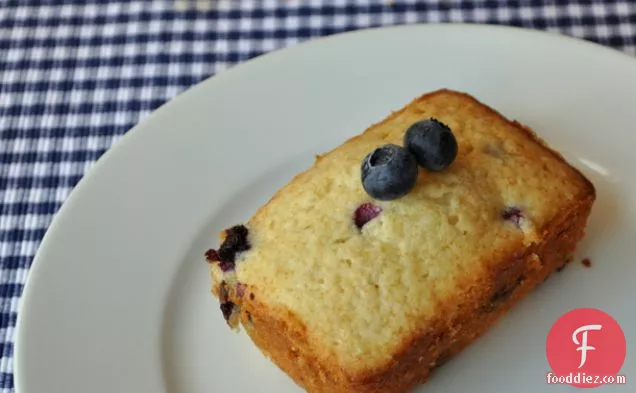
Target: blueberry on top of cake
[400, 246]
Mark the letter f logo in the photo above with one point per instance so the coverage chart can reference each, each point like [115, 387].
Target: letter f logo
[584, 347]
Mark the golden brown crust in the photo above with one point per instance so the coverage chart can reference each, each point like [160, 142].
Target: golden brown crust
[478, 301]
[284, 341]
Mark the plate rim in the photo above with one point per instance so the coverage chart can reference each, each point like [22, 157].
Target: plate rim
[139, 130]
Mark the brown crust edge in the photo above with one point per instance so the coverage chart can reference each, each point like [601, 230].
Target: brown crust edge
[283, 339]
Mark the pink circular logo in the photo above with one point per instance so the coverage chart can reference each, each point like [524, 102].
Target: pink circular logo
[585, 348]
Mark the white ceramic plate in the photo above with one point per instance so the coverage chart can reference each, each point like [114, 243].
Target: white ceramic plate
[118, 297]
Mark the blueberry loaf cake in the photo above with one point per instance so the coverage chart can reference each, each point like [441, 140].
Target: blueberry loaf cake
[398, 248]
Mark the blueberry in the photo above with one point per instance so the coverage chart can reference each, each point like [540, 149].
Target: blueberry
[365, 213]
[432, 143]
[211, 256]
[234, 243]
[389, 172]
[227, 309]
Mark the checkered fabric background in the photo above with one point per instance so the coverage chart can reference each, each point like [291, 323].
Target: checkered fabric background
[76, 75]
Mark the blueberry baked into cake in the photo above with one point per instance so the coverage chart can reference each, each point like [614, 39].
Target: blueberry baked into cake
[398, 248]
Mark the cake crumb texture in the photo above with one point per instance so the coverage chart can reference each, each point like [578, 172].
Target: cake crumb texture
[388, 300]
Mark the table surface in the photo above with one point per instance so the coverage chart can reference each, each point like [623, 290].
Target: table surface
[76, 75]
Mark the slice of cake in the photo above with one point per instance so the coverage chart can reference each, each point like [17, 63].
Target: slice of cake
[401, 246]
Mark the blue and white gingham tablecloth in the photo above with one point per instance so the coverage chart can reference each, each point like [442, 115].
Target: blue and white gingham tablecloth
[76, 75]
